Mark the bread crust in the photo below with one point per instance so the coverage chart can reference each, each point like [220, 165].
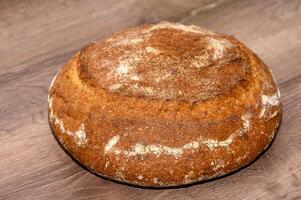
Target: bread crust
[164, 105]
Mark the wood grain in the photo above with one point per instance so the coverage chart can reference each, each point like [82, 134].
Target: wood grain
[37, 37]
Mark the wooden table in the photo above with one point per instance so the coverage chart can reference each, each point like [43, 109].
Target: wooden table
[37, 37]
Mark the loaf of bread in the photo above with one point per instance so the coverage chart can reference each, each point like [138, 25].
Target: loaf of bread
[164, 105]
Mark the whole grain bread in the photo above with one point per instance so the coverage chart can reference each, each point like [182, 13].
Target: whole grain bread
[164, 105]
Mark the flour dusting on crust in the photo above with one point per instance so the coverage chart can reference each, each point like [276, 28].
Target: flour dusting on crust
[156, 61]
[141, 149]
[267, 103]
[79, 135]
[111, 143]
[125, 72]
[201, 60]
[217, 164]
[211, 144]
[219, 47]
[191, 28]
[246, 124]
[153, 50]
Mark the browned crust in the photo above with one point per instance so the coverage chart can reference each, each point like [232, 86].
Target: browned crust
[151, 140]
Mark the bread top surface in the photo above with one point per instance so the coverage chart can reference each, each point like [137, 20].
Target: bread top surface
[165, 61]
[159, 134]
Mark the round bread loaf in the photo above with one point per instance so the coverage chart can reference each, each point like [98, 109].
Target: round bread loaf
[164, 105]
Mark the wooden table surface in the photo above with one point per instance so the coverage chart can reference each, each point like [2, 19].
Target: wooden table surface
[37, 37]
